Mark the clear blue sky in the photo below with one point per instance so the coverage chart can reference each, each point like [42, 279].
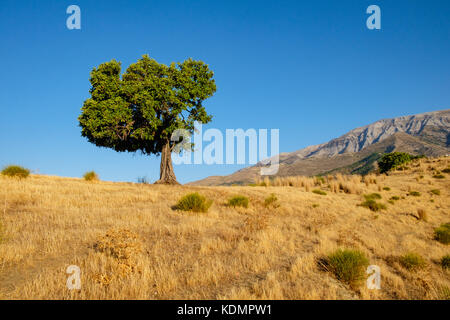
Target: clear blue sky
[310, 68]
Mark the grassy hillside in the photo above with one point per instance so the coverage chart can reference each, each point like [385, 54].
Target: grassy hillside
[363, 166]
[131, 243]
[362, 162]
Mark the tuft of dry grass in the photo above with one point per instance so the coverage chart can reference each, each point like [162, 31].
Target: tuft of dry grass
[121, 244]
[125, 247]
[412, 261]
[436, 192]
[422, 214]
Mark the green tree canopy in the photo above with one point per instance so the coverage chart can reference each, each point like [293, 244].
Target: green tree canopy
[140, 110]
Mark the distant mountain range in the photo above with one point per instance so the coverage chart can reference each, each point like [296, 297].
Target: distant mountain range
[358, 150]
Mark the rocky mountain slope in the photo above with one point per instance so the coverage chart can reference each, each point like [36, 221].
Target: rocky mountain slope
[356, 151]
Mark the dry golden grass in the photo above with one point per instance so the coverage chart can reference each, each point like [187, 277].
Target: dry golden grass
[131, 244]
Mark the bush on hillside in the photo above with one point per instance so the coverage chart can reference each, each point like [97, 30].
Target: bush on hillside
[16, 172]
[193, 202]
[238, 201]
[442, 234]
[412, 261]
[445, 261]
[347, 265]
[271, 201]
[373, 205]
[393, 160]
[90, 176]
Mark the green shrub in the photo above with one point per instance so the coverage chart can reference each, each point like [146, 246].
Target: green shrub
[373, 205]
[90, 176]
[16, 171]
[394, 198]
[193, 202]
[446, 170]
[439, 176]
[445, 261]
[393, 160]
[442, 234]
[412, 261]
[436, 192]
[315, 205]
[414, 193]
[347, 265]
[386, 188]
[321, 192]
[238, 201]
[271, 201]
[372, 196]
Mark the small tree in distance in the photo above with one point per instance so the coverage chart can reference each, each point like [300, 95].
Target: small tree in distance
[393, 160]
[140, 110]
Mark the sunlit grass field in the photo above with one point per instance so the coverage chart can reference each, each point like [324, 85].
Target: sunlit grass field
[131, 242]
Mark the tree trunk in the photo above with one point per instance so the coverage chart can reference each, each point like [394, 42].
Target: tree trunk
[166, 174]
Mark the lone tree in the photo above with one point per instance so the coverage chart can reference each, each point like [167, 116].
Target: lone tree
[140, 110]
